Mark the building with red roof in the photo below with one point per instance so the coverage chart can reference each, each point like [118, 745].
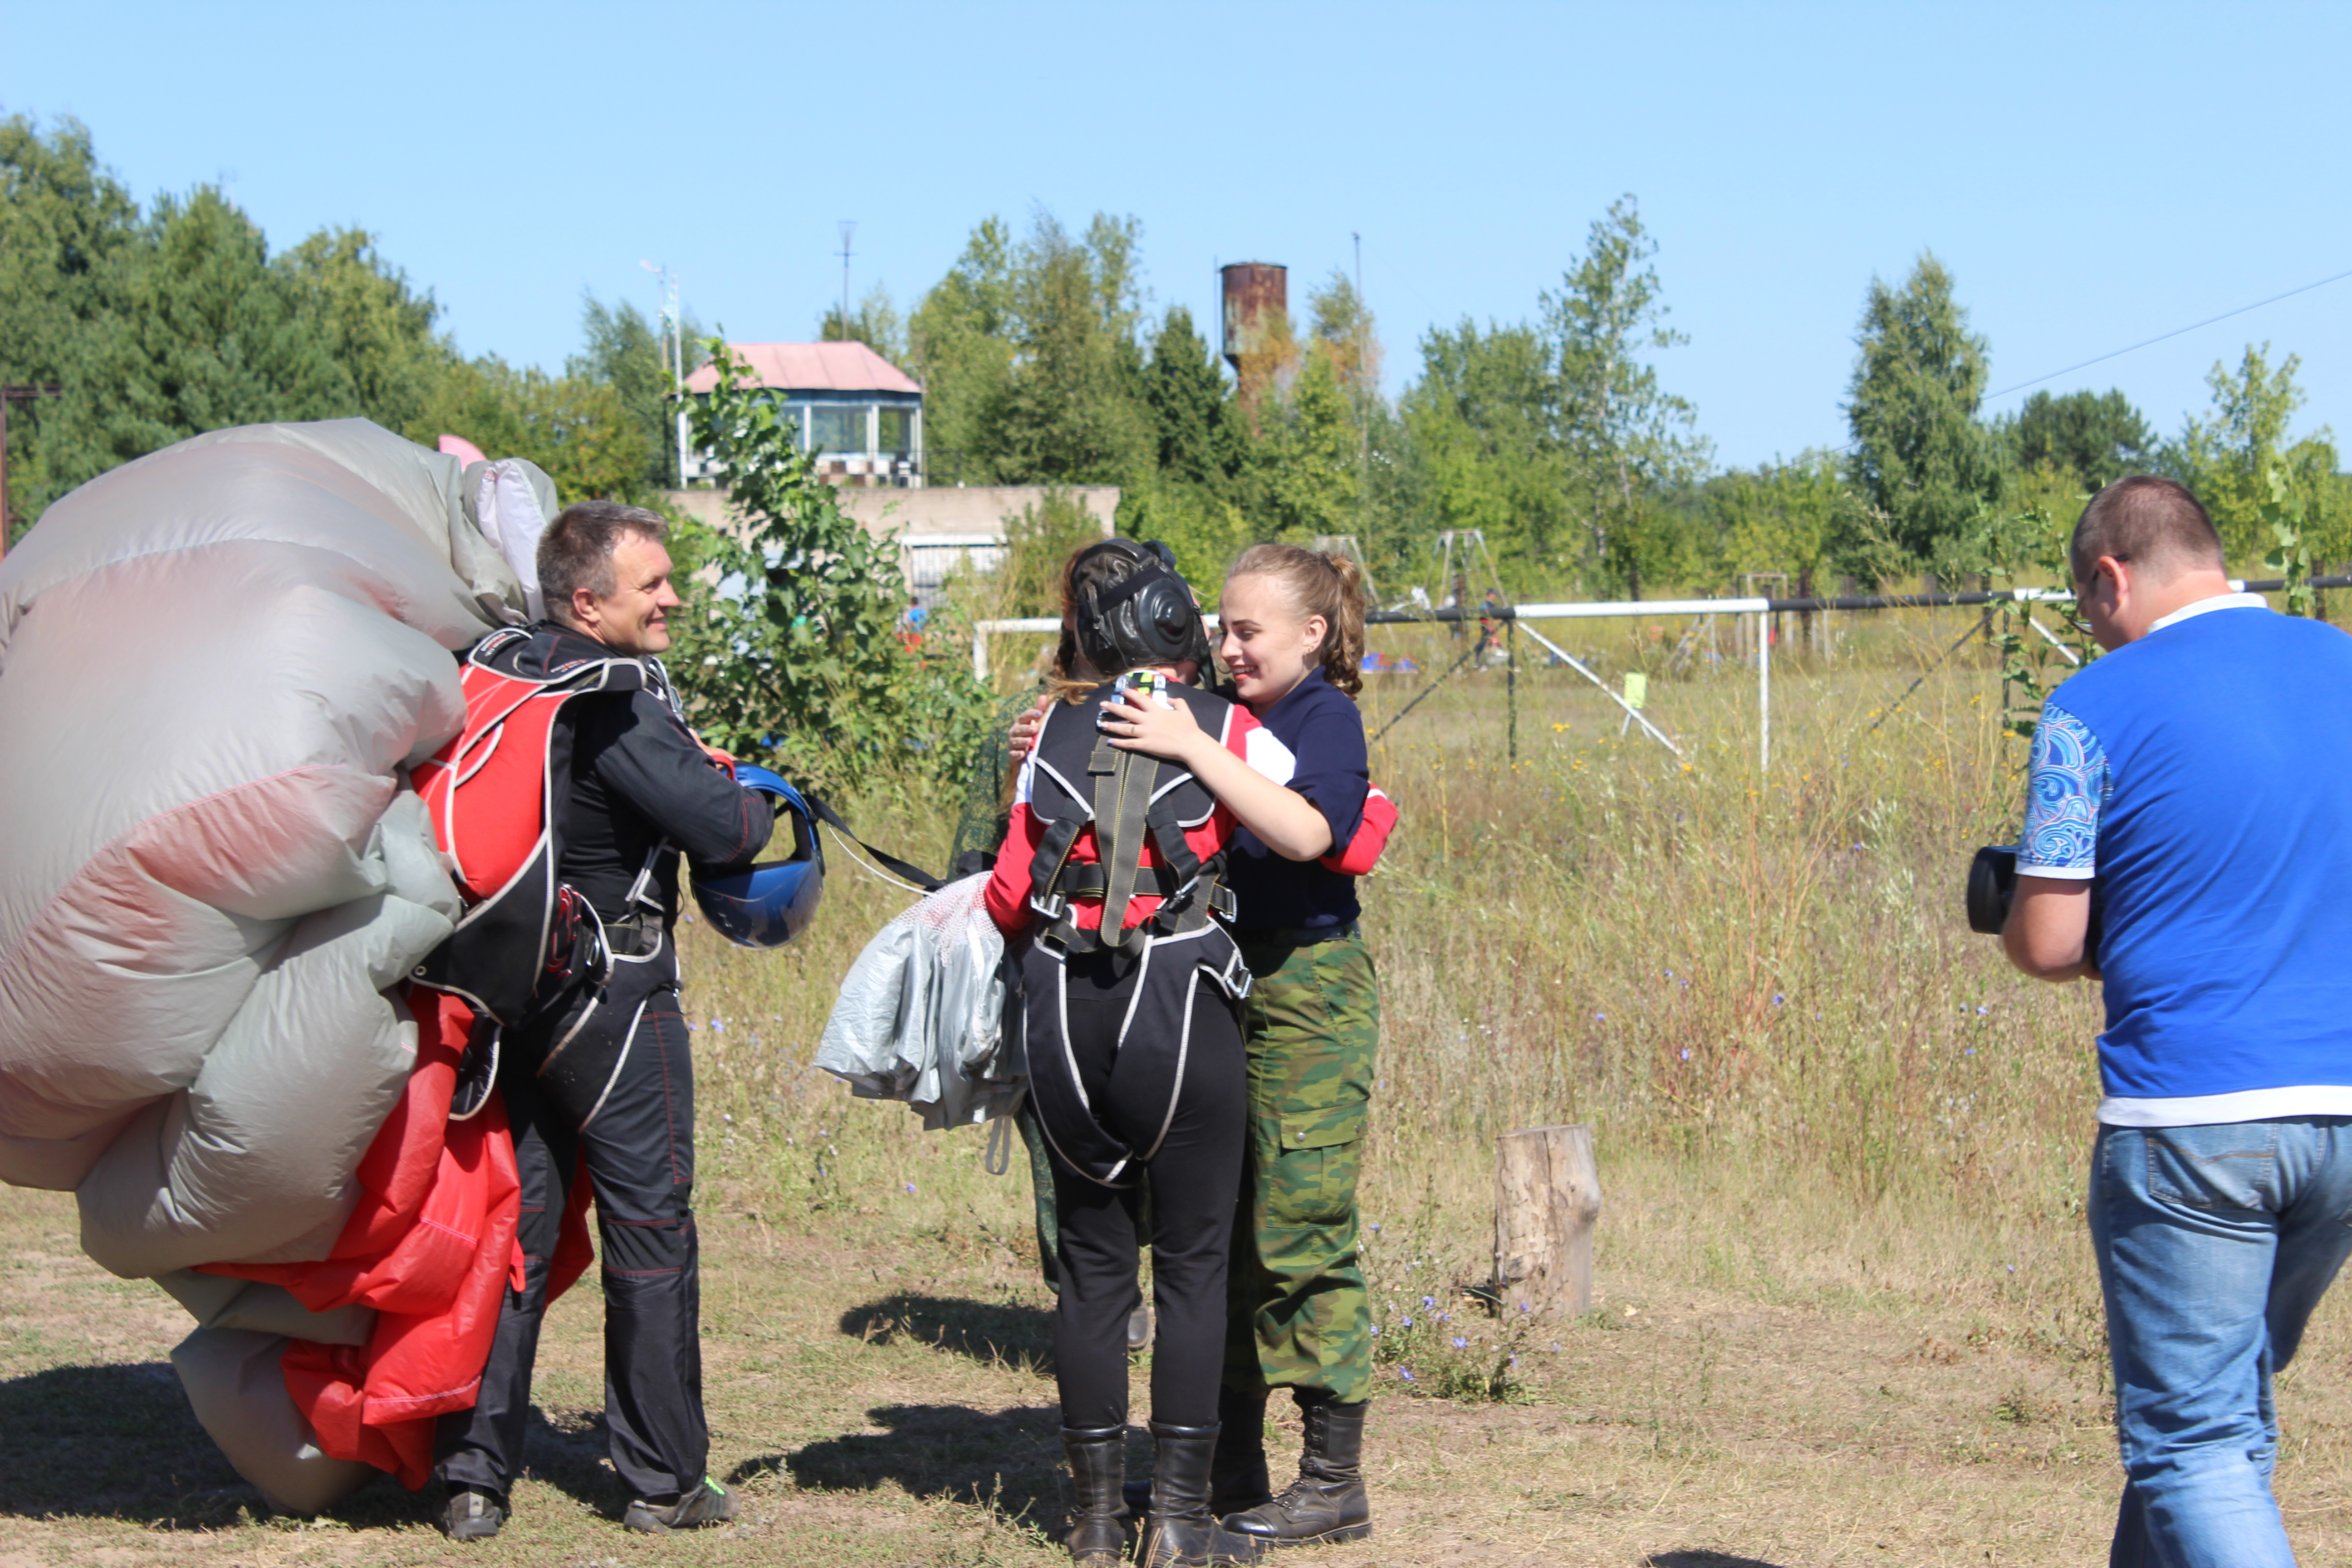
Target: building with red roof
[860, 417]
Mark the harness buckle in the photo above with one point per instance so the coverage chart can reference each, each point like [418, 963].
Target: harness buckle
[1053, 906]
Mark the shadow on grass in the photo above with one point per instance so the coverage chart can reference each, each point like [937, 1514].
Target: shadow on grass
[1010, 1460]
[994, 1333]
[120, 1442]
[113, 1442]
[1704, 1560]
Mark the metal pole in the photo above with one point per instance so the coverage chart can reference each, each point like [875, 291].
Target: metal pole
[1511, 683]
[1764, 690]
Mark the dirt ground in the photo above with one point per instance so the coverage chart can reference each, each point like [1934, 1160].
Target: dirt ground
[874, 1406]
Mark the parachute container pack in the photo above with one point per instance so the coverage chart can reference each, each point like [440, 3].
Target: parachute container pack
[218, 665]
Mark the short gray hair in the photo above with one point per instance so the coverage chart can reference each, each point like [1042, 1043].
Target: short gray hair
[577, 550]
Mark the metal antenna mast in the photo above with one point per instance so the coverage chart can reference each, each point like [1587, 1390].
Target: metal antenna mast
[1363, 422]
[673, 323]
[848, 227]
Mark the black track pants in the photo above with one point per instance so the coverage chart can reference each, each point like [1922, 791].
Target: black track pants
[1194, 1175]
[638, 1150]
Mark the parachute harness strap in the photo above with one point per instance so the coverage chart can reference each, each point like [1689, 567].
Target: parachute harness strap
[1122, 783]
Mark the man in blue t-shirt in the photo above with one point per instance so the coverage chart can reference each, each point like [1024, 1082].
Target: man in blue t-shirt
[2201, 773]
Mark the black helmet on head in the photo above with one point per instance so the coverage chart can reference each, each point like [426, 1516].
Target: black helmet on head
[1138, 610]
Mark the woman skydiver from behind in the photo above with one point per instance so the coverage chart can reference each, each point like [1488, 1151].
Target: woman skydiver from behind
[1135, 1052]
[1298, 1316]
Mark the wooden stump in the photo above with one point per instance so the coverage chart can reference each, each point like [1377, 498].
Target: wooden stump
[1547, 1200]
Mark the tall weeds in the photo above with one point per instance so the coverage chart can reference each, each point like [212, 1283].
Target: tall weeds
[1805, 1073]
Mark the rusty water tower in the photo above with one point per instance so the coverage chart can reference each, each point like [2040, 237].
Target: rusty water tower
[1256, 300]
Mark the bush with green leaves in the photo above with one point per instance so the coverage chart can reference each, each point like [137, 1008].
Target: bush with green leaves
[792, 648]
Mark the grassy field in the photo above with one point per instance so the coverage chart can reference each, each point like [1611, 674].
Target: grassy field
[1847, 1312]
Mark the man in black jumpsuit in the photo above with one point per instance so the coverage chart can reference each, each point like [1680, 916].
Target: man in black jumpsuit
[641, 789]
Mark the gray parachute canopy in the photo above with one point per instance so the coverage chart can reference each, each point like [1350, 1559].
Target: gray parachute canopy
[216, 664]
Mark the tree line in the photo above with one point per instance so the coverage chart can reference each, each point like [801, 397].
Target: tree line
[1043, 362]
[163, 321]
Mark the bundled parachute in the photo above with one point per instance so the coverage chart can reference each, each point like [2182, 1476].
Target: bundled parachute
[218, 665]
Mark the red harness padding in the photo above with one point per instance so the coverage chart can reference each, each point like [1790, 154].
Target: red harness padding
[430, 1247]
[492, 796]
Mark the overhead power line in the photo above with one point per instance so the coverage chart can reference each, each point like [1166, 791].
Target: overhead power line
[2160, 337]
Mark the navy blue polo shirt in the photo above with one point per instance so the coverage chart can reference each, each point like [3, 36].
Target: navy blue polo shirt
[1320, 725]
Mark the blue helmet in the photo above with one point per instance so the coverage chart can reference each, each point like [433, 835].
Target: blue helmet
[770, 904]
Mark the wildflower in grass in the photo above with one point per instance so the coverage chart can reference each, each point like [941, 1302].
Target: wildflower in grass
[910, 1189]
[1408, 1322]
[1601, 1018]
[1777, 998]
[1970, 1052]
[1525, 1308]
[1686, 1053]
[1406, 1373]
[1376, 1330]
[1460, 1343]
[719, 1024]
[1515, 1363]
[1430, 1302]
[1981, 1011]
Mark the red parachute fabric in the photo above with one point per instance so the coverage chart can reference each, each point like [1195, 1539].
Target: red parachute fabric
[430, 1245]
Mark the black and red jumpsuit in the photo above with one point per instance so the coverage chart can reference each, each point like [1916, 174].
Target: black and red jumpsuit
[1136, 1065]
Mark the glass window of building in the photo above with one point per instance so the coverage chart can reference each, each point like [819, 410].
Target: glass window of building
[897, 430]
[836, 428]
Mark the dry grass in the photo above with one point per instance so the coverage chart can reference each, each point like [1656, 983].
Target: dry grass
[1848, 1313]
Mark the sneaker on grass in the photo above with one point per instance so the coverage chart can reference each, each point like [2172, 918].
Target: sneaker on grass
[472, 1513]
[709, 1503]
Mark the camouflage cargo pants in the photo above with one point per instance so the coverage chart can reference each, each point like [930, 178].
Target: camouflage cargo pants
[1298, 1316]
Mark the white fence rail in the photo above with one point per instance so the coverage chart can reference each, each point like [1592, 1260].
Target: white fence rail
[1048, 625]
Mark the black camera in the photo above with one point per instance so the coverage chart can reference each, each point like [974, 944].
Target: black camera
[1992, 888]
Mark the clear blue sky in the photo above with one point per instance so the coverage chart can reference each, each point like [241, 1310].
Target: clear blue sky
[2091, 175]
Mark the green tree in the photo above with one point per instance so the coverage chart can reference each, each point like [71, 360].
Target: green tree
[875, 323]
[2227, 459]
[1626, 441]
[1783, 517]
[1073, 411]
[788, 649]
[961, 342]
[1921, 458]
[63, 220]
[2096, 438]
[1185, 393]
[625, 353]
[574, 426]
[1478, 426]
[1304, 463]
[371, 322]
[195, 330]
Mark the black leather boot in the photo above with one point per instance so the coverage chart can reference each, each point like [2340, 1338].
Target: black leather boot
[1327, 1503]
[1180, 1532]
[1237, 1477]
[1098, 1537]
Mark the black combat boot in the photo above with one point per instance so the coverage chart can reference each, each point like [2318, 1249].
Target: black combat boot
[1237, 1477]
[1327, 1503]
[1098, 1537]
[1180, 1532]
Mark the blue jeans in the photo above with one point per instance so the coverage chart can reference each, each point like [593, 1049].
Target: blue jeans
[2214, 1245]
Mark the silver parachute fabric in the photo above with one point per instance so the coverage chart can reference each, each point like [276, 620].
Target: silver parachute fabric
[216, 664]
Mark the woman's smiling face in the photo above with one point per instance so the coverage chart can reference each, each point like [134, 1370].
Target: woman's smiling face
[1267, 644]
